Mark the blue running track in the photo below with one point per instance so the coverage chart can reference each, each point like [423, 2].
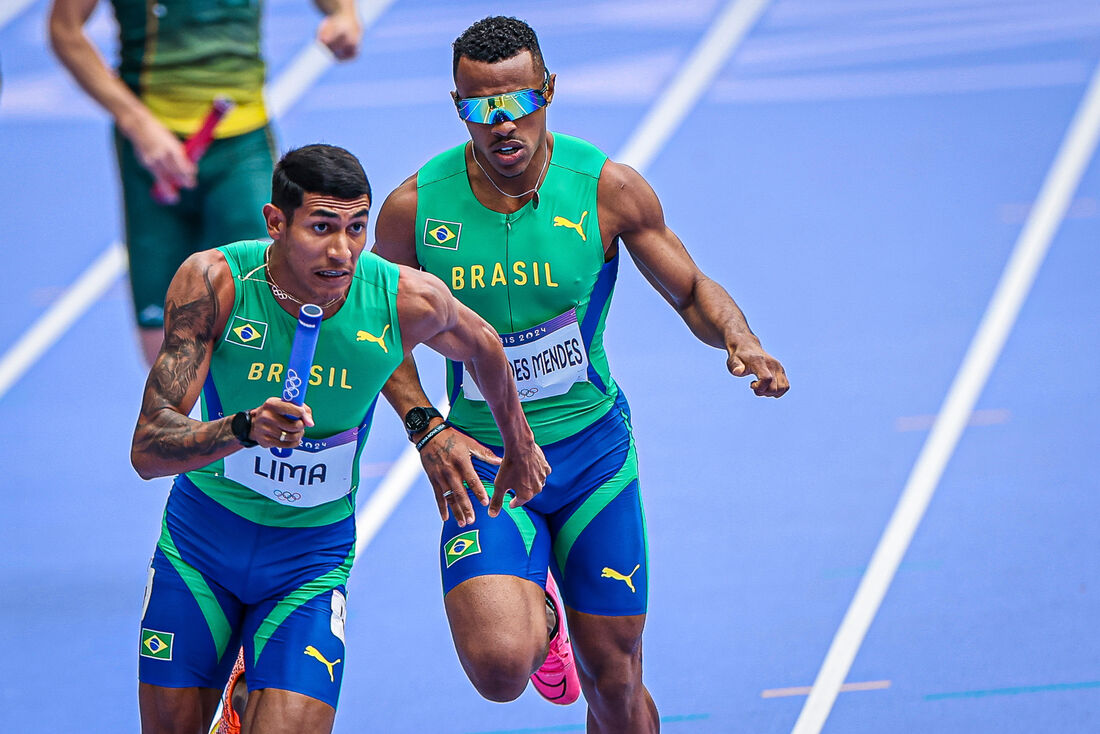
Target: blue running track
[856, 175]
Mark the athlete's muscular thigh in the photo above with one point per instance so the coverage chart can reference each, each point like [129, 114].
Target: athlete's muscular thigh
[176, 710]
[606, 568]
[275, 711]
[493, 578]
[498, 623]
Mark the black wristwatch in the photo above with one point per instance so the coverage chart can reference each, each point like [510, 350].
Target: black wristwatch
[417, 419]
[242, 428]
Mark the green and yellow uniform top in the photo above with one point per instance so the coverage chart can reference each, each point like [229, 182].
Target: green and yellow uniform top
[178, 55]
[538, 276]
[358, 348]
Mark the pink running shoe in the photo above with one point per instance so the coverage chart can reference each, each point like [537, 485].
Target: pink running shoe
[230, 721]
[557, 679]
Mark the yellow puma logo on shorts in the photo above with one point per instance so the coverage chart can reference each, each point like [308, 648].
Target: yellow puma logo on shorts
[366, 336]
[610, 573]
[563, 222]
[314, 653]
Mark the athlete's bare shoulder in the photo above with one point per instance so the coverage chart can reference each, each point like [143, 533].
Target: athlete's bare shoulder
[404, 196]
[627, 203]
[394, 237]
[200, 296]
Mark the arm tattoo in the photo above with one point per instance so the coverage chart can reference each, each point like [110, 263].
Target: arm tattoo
[168, 433]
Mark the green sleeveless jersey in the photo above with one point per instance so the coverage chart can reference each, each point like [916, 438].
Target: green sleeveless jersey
[178, 55]
[538, 276]
[358, 348]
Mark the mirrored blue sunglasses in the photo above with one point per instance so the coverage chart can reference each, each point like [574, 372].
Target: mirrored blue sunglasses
[500, 107]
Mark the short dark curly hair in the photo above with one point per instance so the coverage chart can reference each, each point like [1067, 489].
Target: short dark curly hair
[496, 38]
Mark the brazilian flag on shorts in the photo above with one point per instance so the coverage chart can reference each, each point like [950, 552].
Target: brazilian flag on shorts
[462, 546]
[156, 645]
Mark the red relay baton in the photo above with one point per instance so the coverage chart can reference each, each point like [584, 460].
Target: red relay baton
[164, 192]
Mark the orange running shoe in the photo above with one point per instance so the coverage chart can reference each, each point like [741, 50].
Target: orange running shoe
[557, 679]
[230, 722]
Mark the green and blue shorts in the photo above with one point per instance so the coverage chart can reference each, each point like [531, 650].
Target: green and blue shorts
[587, 525]
[218, 582]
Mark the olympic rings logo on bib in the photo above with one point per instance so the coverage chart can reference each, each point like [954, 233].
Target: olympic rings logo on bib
[527, 393]
[287, 496]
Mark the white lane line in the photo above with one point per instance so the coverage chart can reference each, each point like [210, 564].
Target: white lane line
[729, 29]
[647, 140]
[72, 304]
[10, 9]
[988, 417]
[283, 93]
[871, 685]
[1055, 195]
[389, 493]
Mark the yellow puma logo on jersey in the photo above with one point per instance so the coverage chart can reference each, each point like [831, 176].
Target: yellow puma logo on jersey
[610, 573]
[316, 655]
[366, 336]
[563, 222]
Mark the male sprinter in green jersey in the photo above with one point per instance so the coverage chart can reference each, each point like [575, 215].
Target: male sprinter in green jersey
[259, 529]
[525, 227]
[176, 57]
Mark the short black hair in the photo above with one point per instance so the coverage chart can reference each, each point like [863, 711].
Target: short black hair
[316, 169]
[496, 38]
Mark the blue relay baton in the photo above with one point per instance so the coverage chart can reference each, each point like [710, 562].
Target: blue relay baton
[301, 359]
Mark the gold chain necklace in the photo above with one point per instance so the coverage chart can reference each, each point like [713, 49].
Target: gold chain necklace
[277, 291]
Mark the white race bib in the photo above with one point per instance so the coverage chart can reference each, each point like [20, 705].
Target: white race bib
[545, 360]
[316, 472]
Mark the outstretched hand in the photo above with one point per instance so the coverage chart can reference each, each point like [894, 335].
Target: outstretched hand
[447, 462]
[750, 358]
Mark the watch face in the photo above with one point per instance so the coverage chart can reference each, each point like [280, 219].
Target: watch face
[416, 419]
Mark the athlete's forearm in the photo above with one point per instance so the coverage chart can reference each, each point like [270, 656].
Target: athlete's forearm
[714, 317]
[83, 61]
[403, 390]
[166, 441]
[169, 443]
[489, 368]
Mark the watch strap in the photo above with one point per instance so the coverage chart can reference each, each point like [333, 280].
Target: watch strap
[241, 425]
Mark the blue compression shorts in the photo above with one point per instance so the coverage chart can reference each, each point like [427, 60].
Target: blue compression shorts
[587, 525]
[218, 581]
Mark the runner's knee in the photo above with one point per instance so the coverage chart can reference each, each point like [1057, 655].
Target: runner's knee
[499, 671]
[610, 666]
[615, 687]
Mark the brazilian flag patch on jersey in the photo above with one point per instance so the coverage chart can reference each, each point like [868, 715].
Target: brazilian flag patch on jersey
[247, 333]
[156, 645]
[443, 235]
[462, 546]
